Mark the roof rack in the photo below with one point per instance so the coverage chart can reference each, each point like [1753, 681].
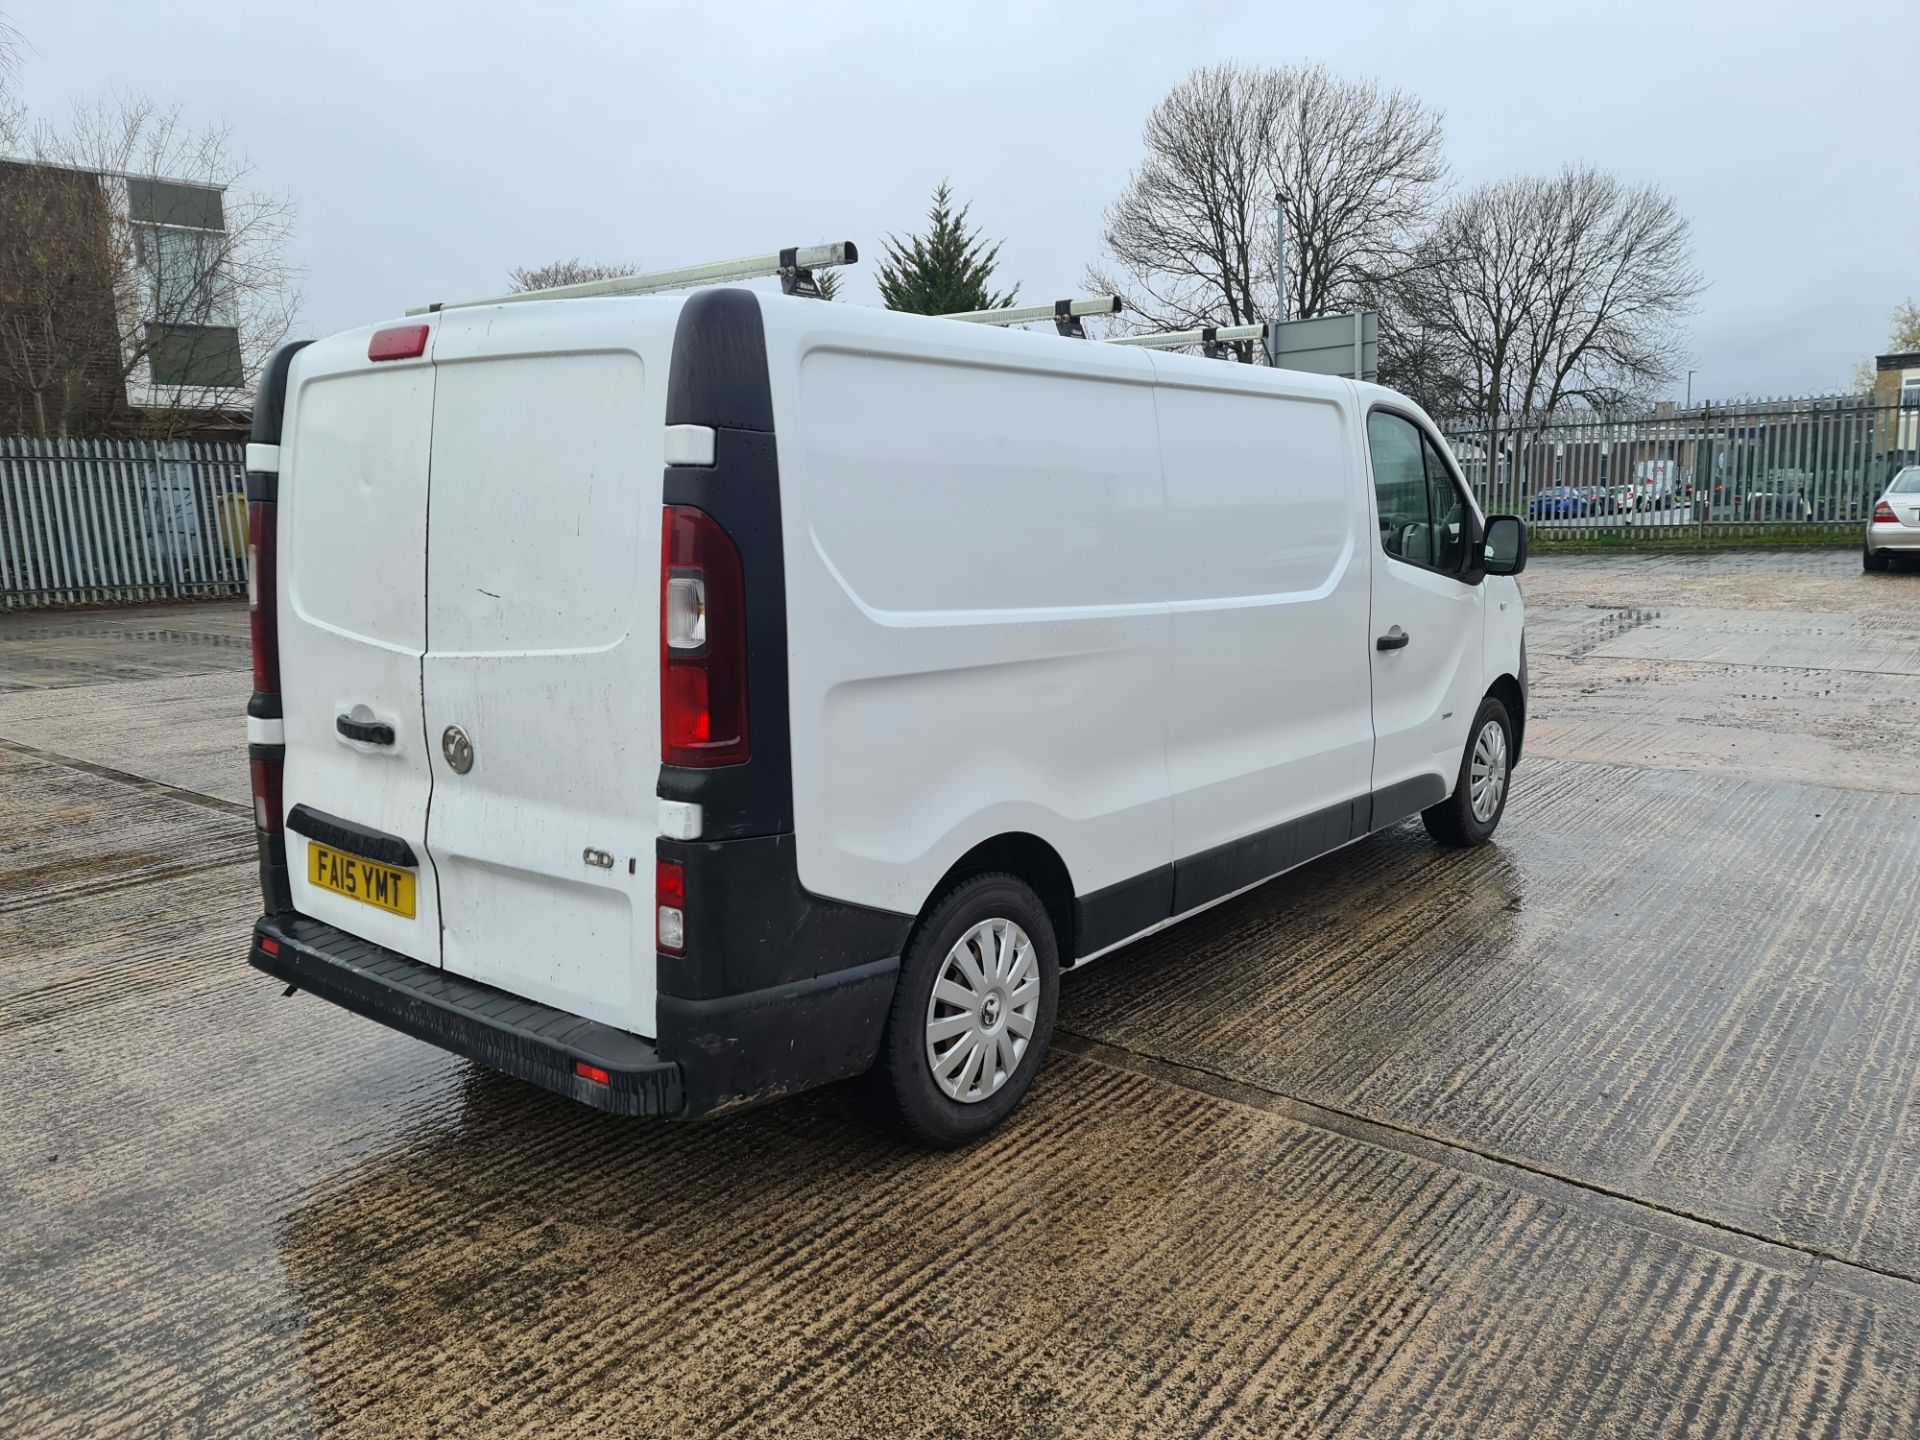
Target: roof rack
[794, 265]
[1065, 314]
[1212, 339]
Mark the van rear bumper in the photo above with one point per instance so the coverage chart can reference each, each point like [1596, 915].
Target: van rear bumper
[712, 1054]
[501, 1031]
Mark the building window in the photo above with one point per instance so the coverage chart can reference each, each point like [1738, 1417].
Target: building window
[195, 355]
[169, 202]
[1910, 393]
[186, 275]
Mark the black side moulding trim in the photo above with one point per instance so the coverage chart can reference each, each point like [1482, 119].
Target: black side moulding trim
[1253, 858]
[1108, 916]
[718, 378]
[1118, 912]
[354, 839]
[1407, 798]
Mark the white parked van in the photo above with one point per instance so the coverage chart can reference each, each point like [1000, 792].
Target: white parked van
[677, 702]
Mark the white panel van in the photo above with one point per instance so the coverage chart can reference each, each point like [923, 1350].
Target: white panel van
[678, 702]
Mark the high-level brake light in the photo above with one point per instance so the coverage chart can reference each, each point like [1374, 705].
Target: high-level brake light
[402, 342]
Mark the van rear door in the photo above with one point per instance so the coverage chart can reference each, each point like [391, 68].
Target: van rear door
[542, 597]
[352, 547]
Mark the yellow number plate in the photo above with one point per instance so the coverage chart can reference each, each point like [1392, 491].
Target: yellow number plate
[380, 886]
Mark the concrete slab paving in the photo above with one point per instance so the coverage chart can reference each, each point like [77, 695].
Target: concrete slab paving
[1602, 1130]
[244, 1215]
[161, 690]
[41, 649]
[1716, 1010]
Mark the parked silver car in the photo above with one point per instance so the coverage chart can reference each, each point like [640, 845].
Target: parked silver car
[1895, 526]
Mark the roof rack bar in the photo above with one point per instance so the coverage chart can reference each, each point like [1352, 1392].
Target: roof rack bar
[793, 261]
[1058, 311]
[1208, 335]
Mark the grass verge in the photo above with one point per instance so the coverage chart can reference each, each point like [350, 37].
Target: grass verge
[1572, 541]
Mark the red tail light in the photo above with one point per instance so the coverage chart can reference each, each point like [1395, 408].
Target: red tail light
[260, 607]
[590, 1072]
[266, 795]
[670, 906]
[703, 642]
[1883, 514]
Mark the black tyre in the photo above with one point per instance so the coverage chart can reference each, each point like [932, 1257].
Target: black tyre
[1873, 559]
[1472, 813]
[973, 1012]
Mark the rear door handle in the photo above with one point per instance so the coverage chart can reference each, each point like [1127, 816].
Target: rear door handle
[367, 732]
[1394, 639]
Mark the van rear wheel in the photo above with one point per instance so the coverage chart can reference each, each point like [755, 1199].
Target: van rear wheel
[1470, 815]
[973, 1011]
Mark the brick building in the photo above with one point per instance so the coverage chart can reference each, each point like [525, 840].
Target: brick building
[116, 315]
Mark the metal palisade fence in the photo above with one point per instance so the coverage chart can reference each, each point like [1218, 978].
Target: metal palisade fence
[117, 520]
[1813, 466]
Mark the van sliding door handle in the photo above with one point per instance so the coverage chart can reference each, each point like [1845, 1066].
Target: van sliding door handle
[367, 732]
[1394, 639]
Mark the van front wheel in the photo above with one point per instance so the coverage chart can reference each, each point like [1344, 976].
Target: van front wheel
[1470, 815]
[973, 1012]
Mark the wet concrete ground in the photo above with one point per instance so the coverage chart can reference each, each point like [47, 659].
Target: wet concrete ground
[1606, 1129]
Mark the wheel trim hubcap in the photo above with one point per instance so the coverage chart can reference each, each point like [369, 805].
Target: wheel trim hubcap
[1487, 771]
[981, 1014]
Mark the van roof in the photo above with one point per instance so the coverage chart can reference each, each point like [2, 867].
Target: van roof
[791, 313]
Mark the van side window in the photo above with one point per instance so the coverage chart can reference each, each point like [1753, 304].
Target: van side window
[1400, 488]
[1449, 513]
[1423, 517]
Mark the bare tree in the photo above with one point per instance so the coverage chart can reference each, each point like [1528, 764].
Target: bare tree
[1190, 241]
[1361, 170]
[1186, 242]
[12, 112]
[565, 272]
[1538, 292]
[135, 253]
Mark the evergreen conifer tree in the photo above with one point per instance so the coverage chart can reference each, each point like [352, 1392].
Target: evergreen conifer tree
[945, 270]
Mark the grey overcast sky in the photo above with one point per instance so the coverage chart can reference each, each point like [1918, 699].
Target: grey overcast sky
[433, 146]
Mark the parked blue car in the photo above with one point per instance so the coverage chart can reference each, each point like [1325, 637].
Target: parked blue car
[1559, 502]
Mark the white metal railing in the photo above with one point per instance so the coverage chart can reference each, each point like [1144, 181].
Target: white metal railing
[120, 520]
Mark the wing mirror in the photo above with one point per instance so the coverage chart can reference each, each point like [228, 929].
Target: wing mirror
[1505, 548]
